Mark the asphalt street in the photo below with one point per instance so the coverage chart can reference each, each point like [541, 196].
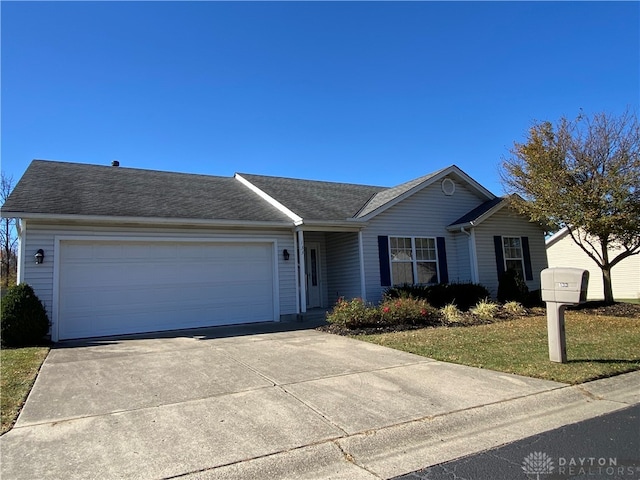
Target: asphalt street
[605, 447]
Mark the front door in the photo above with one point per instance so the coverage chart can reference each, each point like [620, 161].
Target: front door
[312, 267]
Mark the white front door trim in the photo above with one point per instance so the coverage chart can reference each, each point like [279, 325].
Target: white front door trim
[313, 291]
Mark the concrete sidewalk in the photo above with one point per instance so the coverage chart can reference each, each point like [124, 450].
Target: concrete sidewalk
[238, 402]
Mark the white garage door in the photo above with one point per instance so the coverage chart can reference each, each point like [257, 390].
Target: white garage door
[109, 288]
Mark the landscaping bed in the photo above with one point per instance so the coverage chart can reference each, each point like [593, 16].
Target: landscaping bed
[602, 341]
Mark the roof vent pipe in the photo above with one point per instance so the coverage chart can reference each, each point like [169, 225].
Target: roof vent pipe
[115, 163]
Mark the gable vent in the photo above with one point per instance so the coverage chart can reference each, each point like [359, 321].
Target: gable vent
[448, 186]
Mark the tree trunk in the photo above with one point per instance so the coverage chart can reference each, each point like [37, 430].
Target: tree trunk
[606, 271]
[606, 283]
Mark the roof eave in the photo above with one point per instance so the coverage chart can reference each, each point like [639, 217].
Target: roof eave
[348, 225]
[146, 220]
[559, 235]
[481, 218]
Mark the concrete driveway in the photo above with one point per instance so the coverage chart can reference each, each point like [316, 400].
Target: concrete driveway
[271, 401]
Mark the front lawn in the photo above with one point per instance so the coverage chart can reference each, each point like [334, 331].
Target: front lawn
[598, 346]
[18, 370]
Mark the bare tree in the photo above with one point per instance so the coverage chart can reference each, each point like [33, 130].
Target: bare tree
[8, 238]
[584, 175]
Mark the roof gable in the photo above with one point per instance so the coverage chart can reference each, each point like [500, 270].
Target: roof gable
[391, 196]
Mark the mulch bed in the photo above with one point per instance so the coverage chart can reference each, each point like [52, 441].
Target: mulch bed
[628, 310]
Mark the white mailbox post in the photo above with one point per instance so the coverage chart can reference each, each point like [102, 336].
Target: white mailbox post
[561, 287]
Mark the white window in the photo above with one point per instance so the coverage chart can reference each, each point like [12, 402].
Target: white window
[513, 258]
[413, 260]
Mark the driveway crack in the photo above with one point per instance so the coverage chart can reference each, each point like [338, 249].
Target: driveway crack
[351, 459]
[314, 409]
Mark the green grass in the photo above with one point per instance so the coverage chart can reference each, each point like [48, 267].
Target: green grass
[630, 300]
[597, 346]
[18, 370]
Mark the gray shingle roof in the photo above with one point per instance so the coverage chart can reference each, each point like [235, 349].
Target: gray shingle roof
[478, 211]
[78, 189]
[61, 188]
[385, 196]
[315, 200]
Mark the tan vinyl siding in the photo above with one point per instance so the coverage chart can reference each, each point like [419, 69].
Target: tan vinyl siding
[42, 235]
[625, 275]
[424, 214]
[508, 223]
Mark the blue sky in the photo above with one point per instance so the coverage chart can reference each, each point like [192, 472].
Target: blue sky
[364, 92]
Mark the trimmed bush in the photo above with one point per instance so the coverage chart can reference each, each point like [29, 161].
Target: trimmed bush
[354, 313]
[463, 295]
[23, 319]
[406, 291]
[512, 287]
[407, 311]
[534, 299]
[466, 295]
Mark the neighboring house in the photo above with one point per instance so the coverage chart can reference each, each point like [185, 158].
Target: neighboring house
[129, 250]
[562, 251]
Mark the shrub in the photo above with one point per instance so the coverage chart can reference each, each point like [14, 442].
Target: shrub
[514, 308]
[511, 287]
[450, 313]
[466, 295]
[486, 310]
[463, 295]
[23, 318]
[534, 299]
[354, 313]
[406, 291]
[407, 311]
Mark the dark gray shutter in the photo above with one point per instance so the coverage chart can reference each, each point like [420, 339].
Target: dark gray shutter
[442, 260]
[383, 255]
[497, 242]
[526, 253]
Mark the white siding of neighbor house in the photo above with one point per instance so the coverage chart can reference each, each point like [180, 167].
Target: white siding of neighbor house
[508, 223]
[625, 276]
[40, 234]
[426, 213]
[343, 266]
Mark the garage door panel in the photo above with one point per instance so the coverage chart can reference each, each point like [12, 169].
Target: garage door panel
[108, 288]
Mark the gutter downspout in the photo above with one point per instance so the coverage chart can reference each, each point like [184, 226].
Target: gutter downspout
[21, 227]
[473, 256]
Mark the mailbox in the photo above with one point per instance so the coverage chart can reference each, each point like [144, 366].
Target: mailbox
[564, 285]
[561, 287]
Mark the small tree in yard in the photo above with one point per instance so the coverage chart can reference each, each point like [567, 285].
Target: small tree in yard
[582, 174]
[8, 239]
[23, 318]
